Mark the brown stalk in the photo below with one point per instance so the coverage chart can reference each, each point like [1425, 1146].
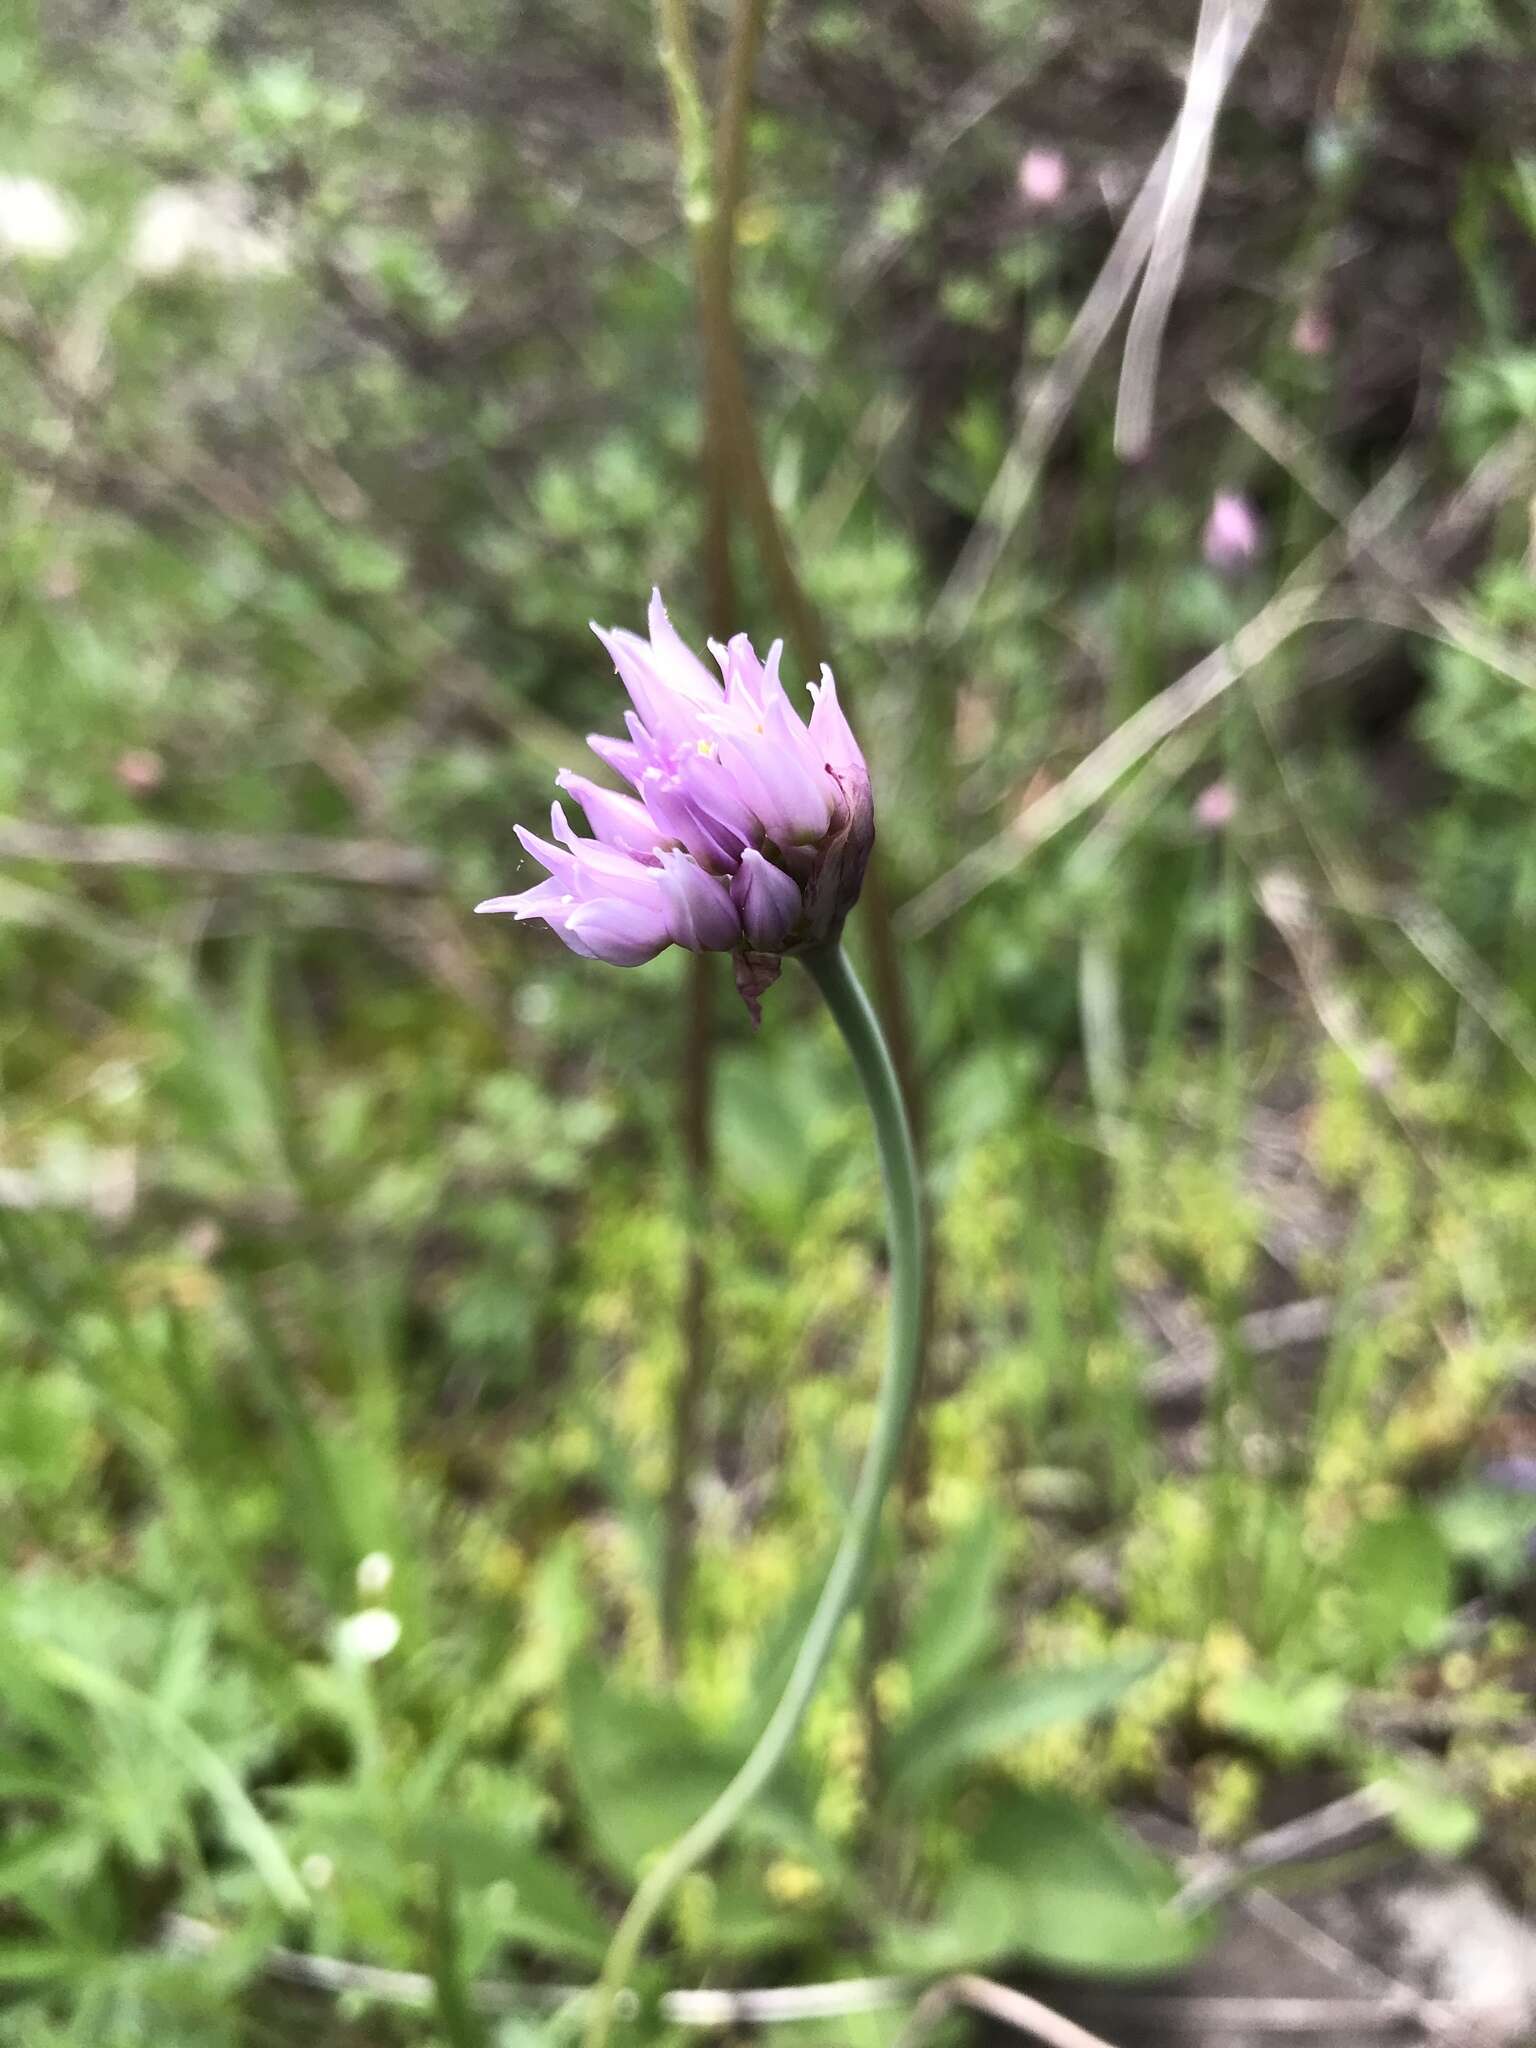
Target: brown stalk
[237, 856]
[732, 434]
[713, 245]
[735, 480]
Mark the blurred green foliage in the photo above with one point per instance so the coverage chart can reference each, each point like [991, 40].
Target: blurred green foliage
[336, 1229]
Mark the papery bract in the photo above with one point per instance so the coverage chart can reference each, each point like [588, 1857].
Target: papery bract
[748, 832]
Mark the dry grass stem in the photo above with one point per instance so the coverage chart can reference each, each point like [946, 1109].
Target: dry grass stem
[233, 856]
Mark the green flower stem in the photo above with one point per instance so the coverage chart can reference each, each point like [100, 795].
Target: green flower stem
[898, 1164]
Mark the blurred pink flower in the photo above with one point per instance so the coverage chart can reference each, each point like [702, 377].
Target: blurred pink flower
[1215, 806]
[1042, 177]
[140, 771]
[748, 832]
[1312, 334]
[1232, 532]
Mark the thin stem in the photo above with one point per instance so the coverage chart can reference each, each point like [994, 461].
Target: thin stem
[898, 1165]
[731, 429]
[674, 42]
[461, 2023]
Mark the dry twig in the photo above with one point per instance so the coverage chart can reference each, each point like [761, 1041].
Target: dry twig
[1014, 2009]
[1391, 2007]
[1299, 604]
[1287, 903]
[1411, 568]
[1217, 1873]
[365, 863]
[1052, 399]
[1306, 598]
[1187, 1371]
[1224, 30]
[1330, 1954]
[1219, 2016]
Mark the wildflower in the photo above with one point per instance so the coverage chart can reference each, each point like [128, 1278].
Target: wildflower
[35, 220]
[368, 1635]
[1312, 332]
[1232, 532]
[140, 771]
[748, 832]
[1215, 806]
[1042, 177]
[374, 1573]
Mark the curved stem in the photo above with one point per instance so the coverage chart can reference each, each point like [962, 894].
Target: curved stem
[898, 1165]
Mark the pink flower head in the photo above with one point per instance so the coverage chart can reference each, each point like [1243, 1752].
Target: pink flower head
[140, 771]
[1232, 532]
[1042, 177]
[1215, 806]
[1312, 332]
[748, 831]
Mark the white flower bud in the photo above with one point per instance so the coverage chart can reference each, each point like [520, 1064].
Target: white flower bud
[368, 1635]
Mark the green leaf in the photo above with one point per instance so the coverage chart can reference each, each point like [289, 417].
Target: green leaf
[1490, 1529]
[36, 1962]
[989, 1716]
[37, 1852]
[1426, 1809]
[242, 1822]
[549, 1909]
[955, 1623]
[643, 1774]
[1054, 1880]
[1399, 1574]
[744, 1921]
[1291, 1718]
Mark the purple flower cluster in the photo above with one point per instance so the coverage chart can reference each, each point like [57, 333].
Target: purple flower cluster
[748, 832]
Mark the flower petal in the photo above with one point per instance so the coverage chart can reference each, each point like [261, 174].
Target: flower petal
[617, 820]
[699, 911]
[542, 900]
[622, 756]
[769, 903]
[793, 804]
[676, 659]
[747, 681]
[830, 731]
[667, 683]
[663, 710]
[623, 934]
[551, 857]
